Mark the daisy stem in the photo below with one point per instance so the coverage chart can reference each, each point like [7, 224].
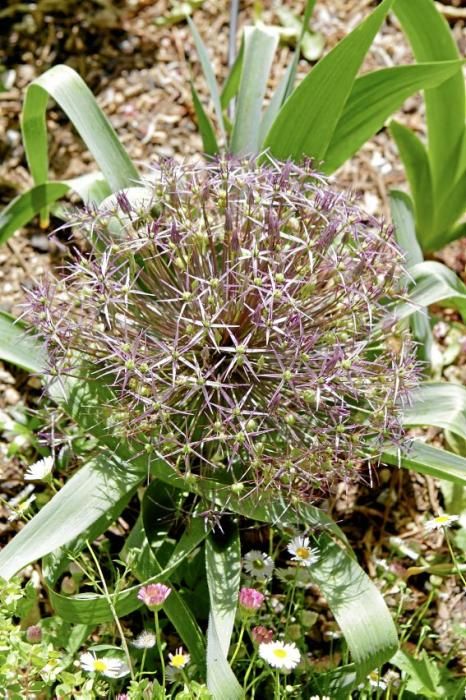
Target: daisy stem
[159, 645]
[277, 686]
[291, 601]
[114, 614]
[143, 661]
[238, 643]
[249, 668]
[454, 559]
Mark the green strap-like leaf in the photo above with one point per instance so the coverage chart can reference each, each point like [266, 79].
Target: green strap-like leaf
[405, 231]
[209, 140]
[428, 460]
[374, 97]
[25, 206]
[434, 283]
[231, 85]
[432, 40]
[77, 101]
[97, 487]
[357, 606]
[442, 404]
[19, 347]
[417, 166]
[307, 121]
[208, 74]
[223, 566]
[450, 208]
[259, 49]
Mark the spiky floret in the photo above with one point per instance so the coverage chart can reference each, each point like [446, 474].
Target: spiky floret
[236, 312]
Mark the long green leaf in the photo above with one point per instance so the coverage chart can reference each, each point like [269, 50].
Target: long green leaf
[307, 121]
[417, 166]
[432, 40]
[18, 346]
[25, 206]
[208, 74]
[374, 97]
[209, 140]
[449, 210]
[77, 101]
[434, 283]
[231, 85]
[357, 606]
[428, 460]
[442, 404]
[405, 231]
[100, 485]
[223, 576]
[259, 48]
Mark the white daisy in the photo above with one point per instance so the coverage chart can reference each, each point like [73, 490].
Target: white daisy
[302, 552]
[440, 521]
[39, 470]
[258, 564]
[280, 655]
[179, 659]
[112, 668]
[319, 697]
[146, 640]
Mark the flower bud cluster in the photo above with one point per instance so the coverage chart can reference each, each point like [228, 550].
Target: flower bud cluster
[236, 312]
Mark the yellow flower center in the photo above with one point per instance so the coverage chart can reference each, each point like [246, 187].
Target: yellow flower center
[100, 666]
[303, 552]
[280, 653]
[441, 519]
[178, 660]
[258, 563]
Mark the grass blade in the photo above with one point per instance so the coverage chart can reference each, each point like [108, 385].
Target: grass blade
[307, 120]
[374, 97]
[260, 44]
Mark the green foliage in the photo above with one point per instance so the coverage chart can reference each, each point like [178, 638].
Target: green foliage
[436, 173]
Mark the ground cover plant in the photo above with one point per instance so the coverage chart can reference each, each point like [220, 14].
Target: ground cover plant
[225, 348]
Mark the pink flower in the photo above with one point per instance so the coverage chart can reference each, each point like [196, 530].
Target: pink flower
[154, 595]
[34, 634]
[262, 635]
[250, 599]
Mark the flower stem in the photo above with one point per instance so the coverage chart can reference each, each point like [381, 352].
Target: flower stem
[238, 643]
[454, 559]
[159, 645]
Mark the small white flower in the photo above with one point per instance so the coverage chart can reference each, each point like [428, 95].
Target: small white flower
[39, 470]
[112, 668]
[440, 521]
[302, 552]
[280, 655]
[258, 564]
[179, 659]
[320, 697]
[375, 681]
[146, 640]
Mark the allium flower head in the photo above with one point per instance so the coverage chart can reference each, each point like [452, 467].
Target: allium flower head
[236, 312]
[280, 655]
[154, 595]
[258, 564]
[250, 599]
